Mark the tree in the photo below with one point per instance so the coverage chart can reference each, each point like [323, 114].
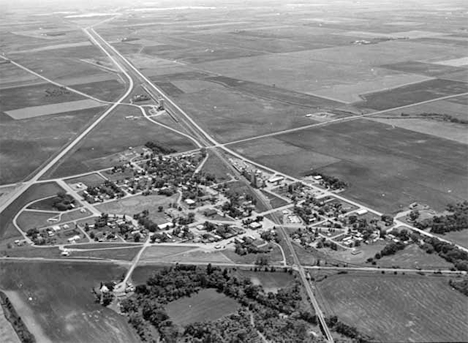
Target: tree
[413, 215]
[160, 208]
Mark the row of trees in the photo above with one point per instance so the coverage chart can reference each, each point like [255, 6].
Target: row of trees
[456, 220]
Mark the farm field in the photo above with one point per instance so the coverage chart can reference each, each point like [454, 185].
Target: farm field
[64, 311]
[454, 107]
[109, 90]
[36, 95]
[206, 305]
[395, 308]
[414, 93]
[359, 153]
[26, 144]
[112, 136]
[139, 203]
[33, 252]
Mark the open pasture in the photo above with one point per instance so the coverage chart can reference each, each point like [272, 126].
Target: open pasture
[206, 305]
[55, 301]
[397, 308]
[109, 90]
[365, 150]
[412, 94]
[114, 135]
[26, 144]
[228, 114]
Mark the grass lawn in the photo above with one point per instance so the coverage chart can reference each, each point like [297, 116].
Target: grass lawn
[55, 301]
[398, 308]
[91, 180]
[37, 191]
[414, 257]
[139, 203]
[45, 252]
[31, 219]
[165, 252]
[207, 305]
[142, 273]
[126, 254]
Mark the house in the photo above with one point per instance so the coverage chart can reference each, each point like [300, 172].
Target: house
[361, 212]
[276, 179]
[210, 212]
[255, 225]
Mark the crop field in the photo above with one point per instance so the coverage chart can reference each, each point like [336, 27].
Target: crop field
[412, 94]
[58, 311]
[30, 96]
[270, 282]
[398, 308]
[34, 252]
[35, 192]
[435, 127]
[155, 253]
[12, 76]
[57, 68]
[114, 135]
[27, 144]
[139, 203]
[206, 305]
[44, 110]
[365, 149]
